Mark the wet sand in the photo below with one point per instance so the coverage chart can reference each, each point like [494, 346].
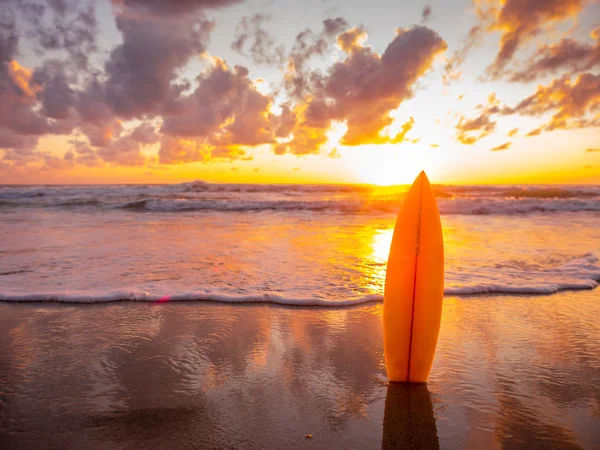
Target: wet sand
[510, 372]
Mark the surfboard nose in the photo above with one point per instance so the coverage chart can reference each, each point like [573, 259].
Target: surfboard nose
[422, 177]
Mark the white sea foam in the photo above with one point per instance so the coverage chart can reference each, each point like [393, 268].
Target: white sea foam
[277, 299]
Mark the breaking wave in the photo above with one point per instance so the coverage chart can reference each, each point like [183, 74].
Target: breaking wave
[201, 196]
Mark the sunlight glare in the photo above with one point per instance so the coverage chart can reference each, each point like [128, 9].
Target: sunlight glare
[392, 164]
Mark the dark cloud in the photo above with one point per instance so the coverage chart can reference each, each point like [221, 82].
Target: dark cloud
[57, 96]
[504, 146]
[298, 81]
[568, 54]
[251, 39]
[82, 153]
[55, 163]
[426, 14]
[11, 140]
[145, 134]
[519, 21]
[103, 133]
[59, 25]
[123, 151]
[171, 8]
[141, 70]
[18, 91]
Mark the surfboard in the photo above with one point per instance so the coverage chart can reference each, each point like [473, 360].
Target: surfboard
[414, 287]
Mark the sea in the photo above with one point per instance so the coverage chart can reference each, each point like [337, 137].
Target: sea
[316, 245]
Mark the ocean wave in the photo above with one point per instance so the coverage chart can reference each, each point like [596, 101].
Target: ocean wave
[446, 206]
[277, 299]
[201, 196]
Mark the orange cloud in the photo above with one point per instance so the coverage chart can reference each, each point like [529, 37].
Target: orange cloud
[513, 132]
[481, 124]
[570, 99]
[567, 54]
[21, 77]
[504, 146]
[352, 40]
[520, 20]
[534, 132]
[365, 87]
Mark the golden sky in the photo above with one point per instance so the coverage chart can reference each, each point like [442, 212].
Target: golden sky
[322, 91]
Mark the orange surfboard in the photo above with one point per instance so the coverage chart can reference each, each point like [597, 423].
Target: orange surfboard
[414, 287]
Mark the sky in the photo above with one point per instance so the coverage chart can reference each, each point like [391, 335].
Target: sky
[318, 91]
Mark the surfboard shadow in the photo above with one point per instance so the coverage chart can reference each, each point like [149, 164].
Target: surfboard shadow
[408, 420]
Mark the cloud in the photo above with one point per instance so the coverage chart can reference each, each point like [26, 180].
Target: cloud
[482, 124]
[62, 25]
[170, 8]
[513, 132]
[262, 46]
[567, 99]
[21, 122]
[453, 64]
[534, 132]
[225, 109]
[426, 14]
[519, 21]
[141, 70]
[57, 96]
[568, 54]
[174, 150]
[352, 40]
[82, 153]
[109, 143]
[297, 79]
[570, 101]
[55, 163]
[504, 146]
[145, 134]
[11, 140]
[590, 150]
[365, 87]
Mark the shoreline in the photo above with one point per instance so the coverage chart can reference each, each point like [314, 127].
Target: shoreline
[210, 375]
[267, 299]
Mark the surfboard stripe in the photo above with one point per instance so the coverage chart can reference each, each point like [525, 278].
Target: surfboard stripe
[417, 250]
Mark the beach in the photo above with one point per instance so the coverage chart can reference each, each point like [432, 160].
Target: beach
[200, 315]
[509, 372]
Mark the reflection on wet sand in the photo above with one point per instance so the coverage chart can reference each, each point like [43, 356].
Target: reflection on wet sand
[408, 421]
[203, 375]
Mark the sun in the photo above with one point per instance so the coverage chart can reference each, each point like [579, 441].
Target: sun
[390, 164]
